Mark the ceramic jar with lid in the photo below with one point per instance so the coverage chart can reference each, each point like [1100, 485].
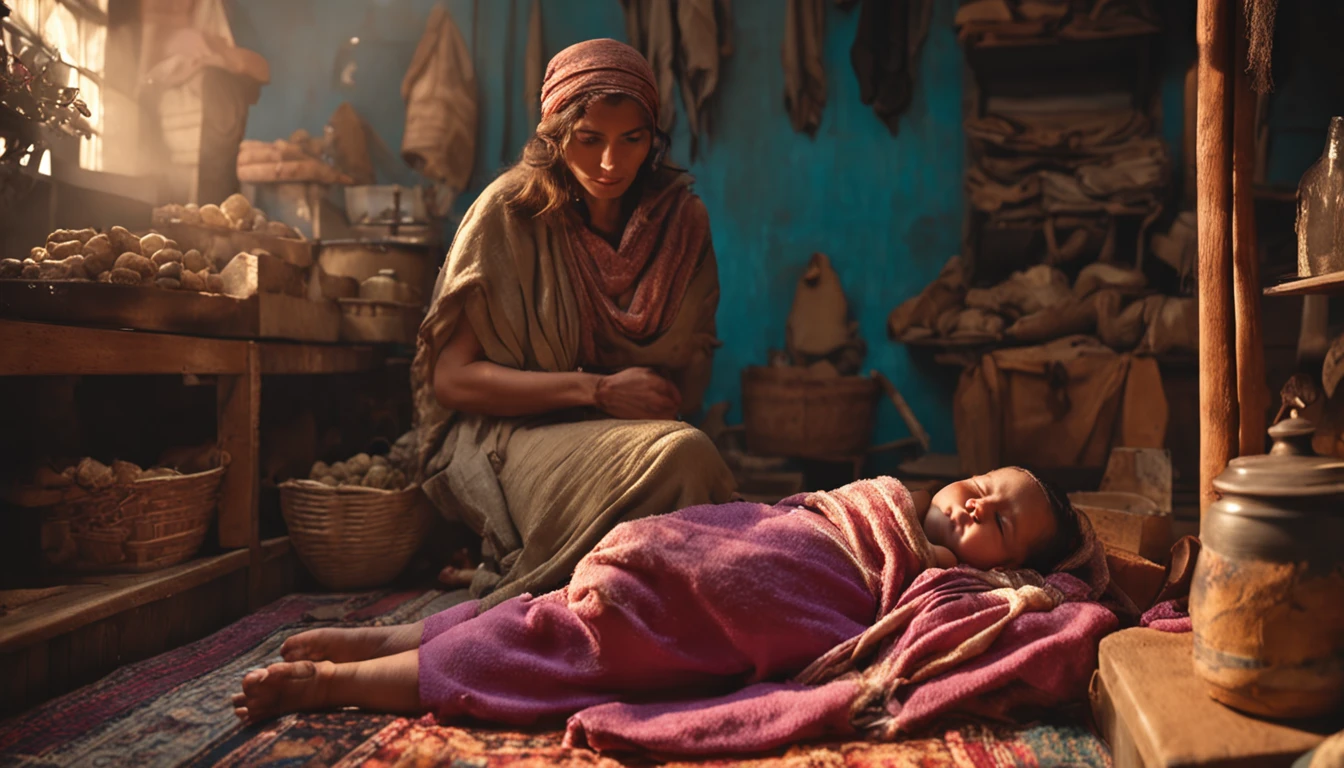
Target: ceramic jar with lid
[1267, 600]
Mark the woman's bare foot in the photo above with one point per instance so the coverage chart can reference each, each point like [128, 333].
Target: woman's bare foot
[283, 688]
[351, 644]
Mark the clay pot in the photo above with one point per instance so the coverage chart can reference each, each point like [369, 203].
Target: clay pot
[1267, 600]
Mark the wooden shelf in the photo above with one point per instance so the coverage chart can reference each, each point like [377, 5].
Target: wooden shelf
[1112, 61]
[1320, 285]
[945, 343]
[86, 304]
[1276, 193]
[286, 359]
[272, 549]
[98, 597]
[43, 349]
[1057, 42]
[113, 619]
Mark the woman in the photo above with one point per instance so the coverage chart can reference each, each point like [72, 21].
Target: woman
[572, 322]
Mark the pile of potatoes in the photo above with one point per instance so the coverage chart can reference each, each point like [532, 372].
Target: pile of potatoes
[117, 256]
[93, 475]
[234, 213]
[362, 470]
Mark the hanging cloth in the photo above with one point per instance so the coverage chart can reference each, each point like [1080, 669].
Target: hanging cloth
[885, 51]
[685, 42]
[704, 30]
[804, 75]
[441, 108]
[651, 27]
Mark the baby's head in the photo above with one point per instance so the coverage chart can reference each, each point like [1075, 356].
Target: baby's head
[1005, 518]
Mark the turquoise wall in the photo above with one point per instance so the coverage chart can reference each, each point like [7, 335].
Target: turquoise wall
[887, 210]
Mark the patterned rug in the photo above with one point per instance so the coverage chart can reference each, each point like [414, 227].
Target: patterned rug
[173, 710]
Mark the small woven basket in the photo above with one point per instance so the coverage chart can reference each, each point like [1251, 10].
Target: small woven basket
[351, 537]
[788, 412]
[135, 527]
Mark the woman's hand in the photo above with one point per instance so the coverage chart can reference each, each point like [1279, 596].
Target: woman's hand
[637, 393]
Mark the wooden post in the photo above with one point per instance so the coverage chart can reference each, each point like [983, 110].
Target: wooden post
[239, 433]
[1218, 430]
[1252, 392]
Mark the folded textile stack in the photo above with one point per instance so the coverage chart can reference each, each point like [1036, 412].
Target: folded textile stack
[1071, 170]
[990, 21]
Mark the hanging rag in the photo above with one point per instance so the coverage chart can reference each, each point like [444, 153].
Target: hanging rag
[685, 42]
[441, 105]
[651, 27]
[804, 75]
[703, 36]
[534, 63]
[886, 47]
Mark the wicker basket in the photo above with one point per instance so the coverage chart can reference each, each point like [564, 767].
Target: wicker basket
[352, 537]
[788, 412]
[136, 527]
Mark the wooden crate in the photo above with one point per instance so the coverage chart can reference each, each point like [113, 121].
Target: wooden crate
[1153, 712]
[1127, 521]
[223, 244]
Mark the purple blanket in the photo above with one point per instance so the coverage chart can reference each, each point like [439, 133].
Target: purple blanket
[743, 627]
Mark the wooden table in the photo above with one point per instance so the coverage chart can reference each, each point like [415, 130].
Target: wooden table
[101, 622]
[1154, 713]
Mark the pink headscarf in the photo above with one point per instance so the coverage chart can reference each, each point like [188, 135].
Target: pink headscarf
[598, 66]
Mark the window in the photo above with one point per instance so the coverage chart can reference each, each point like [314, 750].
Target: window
[77, 31]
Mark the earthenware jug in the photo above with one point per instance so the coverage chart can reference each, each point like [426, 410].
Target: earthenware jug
[1267, 600]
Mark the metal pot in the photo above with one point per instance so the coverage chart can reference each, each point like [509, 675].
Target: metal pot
[415, 264]
[386, 204]
[1267, 600]
[383, 286]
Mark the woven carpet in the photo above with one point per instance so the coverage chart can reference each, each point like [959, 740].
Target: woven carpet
[174, 710]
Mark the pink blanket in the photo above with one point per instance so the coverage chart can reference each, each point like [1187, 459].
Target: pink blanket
[743, 627]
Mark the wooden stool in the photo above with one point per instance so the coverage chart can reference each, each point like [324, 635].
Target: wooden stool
[1154, 713]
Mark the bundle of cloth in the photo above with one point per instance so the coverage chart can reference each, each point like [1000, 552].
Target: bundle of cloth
[684, 634]
[1038, 305]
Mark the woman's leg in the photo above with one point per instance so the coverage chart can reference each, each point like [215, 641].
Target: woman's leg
[352, 644]
[386, 684]
[568, 485]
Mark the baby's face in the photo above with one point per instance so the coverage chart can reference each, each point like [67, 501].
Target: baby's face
[993, 520]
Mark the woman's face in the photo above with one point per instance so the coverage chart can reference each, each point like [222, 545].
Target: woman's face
[609, 145]
[998, 519]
